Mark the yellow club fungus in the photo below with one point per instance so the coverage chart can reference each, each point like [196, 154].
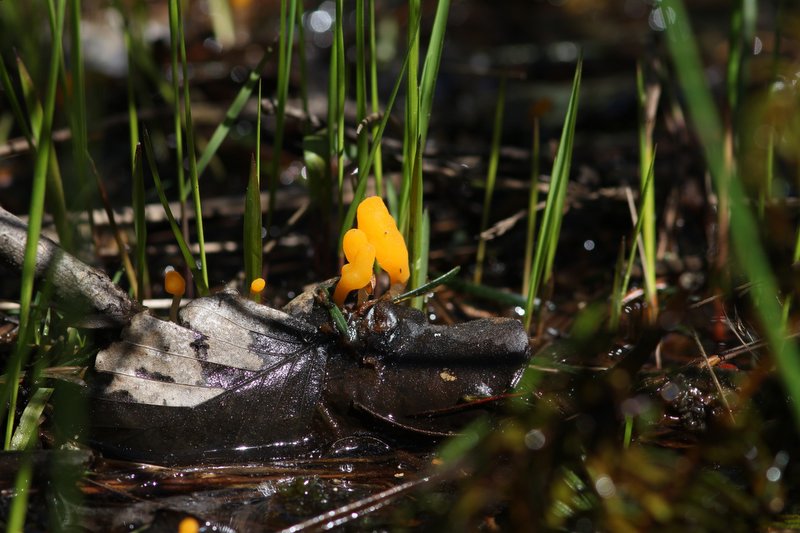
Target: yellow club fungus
[175, 285]
[354, 240]
[381, 231]
[355, 275]
[188, 525]
[256, 288]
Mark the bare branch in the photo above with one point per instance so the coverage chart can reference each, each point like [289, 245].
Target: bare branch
[73, 281]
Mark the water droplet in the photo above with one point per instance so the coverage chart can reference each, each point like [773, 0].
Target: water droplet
[535, 439]
[773, 474]
[605, 487]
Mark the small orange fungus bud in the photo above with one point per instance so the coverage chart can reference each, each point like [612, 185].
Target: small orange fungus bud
[174, 283]
[257, 285]
[188, 525]
[356, 274]
[381, 231]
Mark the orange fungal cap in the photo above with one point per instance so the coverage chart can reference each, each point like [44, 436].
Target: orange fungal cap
[188, 525]
[257, 285]
[174, 283]
[381, 231]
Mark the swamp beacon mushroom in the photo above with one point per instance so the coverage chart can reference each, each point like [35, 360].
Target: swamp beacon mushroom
[377, 238]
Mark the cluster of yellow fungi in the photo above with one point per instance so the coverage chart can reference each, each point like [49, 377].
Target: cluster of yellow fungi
[377, 238]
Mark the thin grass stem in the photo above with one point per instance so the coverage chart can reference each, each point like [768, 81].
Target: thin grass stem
[176, 230]
[648, 207]
[190, 149]
[174, 35]
[541, 269]
[35, 215]
[361, 186]
[375, 100]
[491, 176]
[533, 203]
[285, 46]
[253, 247]
[139, 225]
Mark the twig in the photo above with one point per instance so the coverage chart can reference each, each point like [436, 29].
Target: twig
[357, 509]
[73, 281]
[714, 377]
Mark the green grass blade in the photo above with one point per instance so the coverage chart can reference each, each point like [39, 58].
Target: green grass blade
[468, 439]
[190, 149]
[561, 168]
[373, 84]
[32, 103]
[176, 230]
[221, 16]
[35, 214]
[78, 116]
[19, 504]
[303, 60]
[421, 243]
[222, 130]
[491, 176]
[361, 186]
[417, 224]
[253, 245]
[429, 286]
[28, 428]
[252, 226]
[746, 243]
[174, 45]
[647, 210]
[285, 47]
[332, 118]
[337, 316]
[430, 70]
[330, 132]
[617, 293]
[411, 125]
[362, 143]
[638, 229]
[742, 32]
[133, 115]
[341, 93]
[13, 101]
[112, 222]
[533, 203]
[554, 207]
[503, 297]
[139, 224]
